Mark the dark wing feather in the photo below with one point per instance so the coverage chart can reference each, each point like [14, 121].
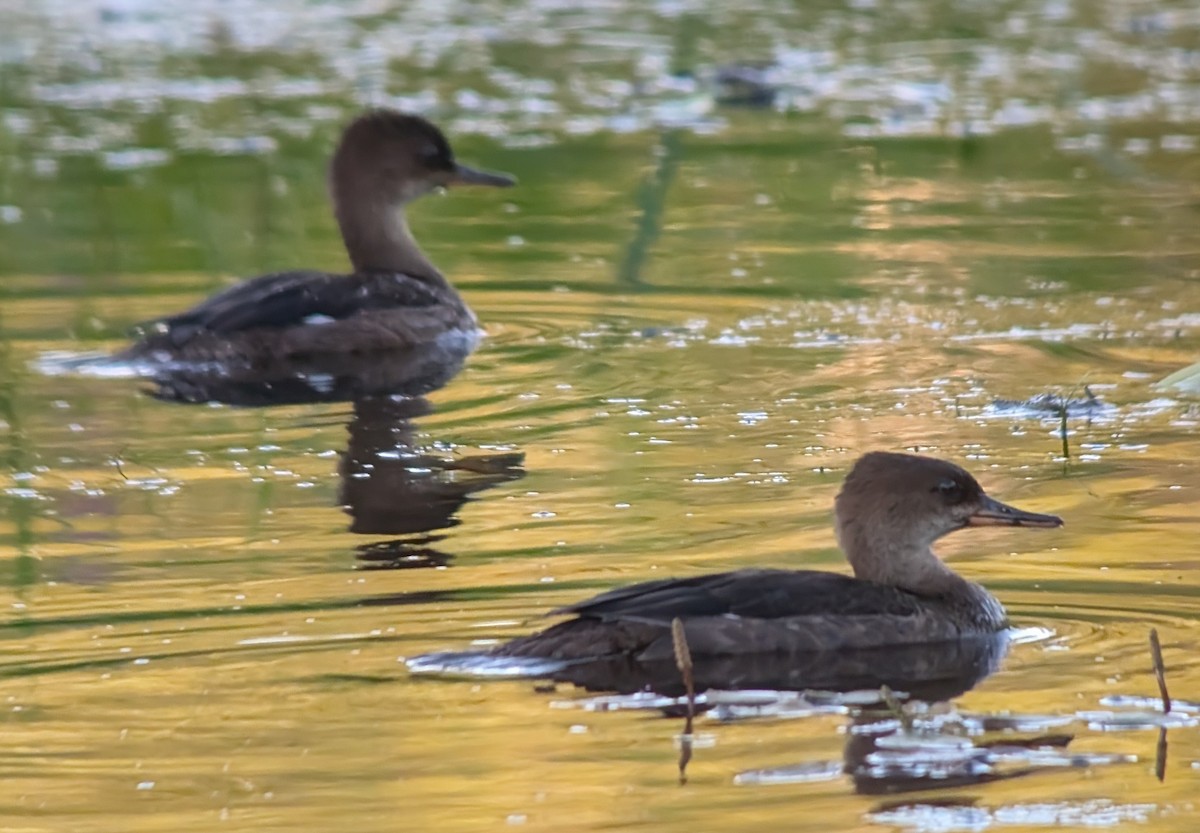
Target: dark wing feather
[286, 299]
[757, 594]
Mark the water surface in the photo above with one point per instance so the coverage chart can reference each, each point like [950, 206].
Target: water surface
[698, 315]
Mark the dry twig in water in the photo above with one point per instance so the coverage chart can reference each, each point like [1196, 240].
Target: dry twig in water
[896, 707]
[683, 661]
[1160, 674]
[1160, 670]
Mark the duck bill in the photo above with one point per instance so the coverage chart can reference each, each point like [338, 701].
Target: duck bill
[995, 513]
[466, 175]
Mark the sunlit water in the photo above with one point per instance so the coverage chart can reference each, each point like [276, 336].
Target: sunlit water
[698, 314]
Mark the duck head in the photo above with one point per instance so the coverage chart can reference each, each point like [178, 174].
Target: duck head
[390, 158]
[385, 160]
[892, 507]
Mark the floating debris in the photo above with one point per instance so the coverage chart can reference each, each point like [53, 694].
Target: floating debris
[1132, 701]
[478, 664]
[806, 773]
[638, 701]
[883, 756]
[946, 817]
[1052, 406]
[1111, 721]
[730, 707]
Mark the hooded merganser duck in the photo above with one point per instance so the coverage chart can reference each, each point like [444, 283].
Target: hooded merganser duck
[394, 299]
[891, 509]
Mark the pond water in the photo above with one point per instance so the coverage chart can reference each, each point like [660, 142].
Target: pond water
[705, 299]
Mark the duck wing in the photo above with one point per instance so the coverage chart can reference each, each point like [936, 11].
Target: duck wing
[748, 594]
[288, 299]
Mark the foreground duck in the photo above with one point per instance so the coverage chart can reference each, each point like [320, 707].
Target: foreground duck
[395, 298]
[891, 509]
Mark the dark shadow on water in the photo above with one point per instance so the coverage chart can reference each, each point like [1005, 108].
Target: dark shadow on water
[925, 672]
[348, 377]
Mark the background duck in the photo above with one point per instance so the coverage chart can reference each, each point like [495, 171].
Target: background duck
[394, 298]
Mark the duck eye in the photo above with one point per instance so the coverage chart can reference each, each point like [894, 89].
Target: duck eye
[950, 489]
[431, 155]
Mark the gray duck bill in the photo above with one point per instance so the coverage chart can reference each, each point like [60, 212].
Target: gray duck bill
[995, 513]
[466, 175]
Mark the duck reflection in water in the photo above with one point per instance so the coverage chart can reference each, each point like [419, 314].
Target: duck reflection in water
[887, 756]
[930, 672]
[893, 749]
[305, 380]
[388, 485]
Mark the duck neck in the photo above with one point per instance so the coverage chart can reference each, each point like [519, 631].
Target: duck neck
[378, 239]
[909, 565]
